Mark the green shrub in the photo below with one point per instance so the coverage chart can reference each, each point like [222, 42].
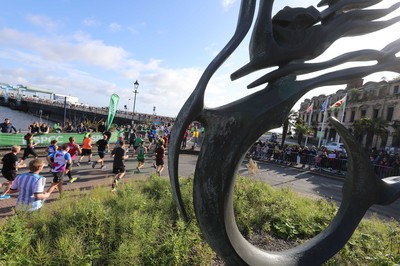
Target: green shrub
[139, 225]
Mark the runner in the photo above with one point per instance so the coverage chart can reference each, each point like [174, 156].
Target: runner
[74, 149]
[86, 149]
[102, 146]
[30, 145]
[140, 151]
[120, 156]
[58, 167]
[9, 170]
[160, 155]
[30, 187]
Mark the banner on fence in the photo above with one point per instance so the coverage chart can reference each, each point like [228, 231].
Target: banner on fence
[8, 140]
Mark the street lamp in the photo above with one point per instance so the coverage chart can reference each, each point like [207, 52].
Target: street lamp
[136, 85]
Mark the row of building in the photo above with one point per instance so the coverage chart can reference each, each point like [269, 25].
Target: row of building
[372, 100]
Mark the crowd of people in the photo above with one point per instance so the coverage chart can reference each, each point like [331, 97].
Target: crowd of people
[384, 163]
[143, 140]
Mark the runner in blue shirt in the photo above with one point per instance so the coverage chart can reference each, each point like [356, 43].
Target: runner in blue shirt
[30, 187]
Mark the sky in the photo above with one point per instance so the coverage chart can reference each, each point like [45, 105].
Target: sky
[93, 49]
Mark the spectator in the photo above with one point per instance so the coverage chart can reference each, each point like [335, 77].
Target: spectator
[31, 187]
[44, 129]
[81, 128]
[57, 127]
[34, 128]
[102, 127]
[69, 128]
[184, 139]
[7, 127]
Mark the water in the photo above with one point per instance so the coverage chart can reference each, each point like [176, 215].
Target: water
[20, 120]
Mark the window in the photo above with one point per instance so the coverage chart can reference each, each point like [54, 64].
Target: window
[352, 115]
[363, 113]
[396, 89]
[375, 114]
[389, 115]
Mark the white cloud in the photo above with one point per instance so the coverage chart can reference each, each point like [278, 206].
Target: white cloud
[42, 22]
[226, 4]
[90, 22]
[114, 27]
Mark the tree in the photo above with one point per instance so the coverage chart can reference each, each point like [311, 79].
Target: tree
[370, 128]
[396, 133]
[289, 122]
[302, 129]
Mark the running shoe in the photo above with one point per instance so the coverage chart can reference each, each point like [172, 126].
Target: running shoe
[89, 162]
[94, 164]
[78, 164]
[102, 167]
[5, 197]
[72, 180]
[137, 169]
[154, 165]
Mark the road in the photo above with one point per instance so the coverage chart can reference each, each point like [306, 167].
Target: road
[303, 182]
[307, 183]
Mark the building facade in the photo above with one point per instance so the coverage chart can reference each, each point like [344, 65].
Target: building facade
[374, 100]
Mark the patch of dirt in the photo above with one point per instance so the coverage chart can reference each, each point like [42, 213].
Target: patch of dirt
[263, 241]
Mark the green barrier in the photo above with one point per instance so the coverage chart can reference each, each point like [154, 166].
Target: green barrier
[43, 140]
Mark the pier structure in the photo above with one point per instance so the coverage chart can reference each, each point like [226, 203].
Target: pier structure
[75, 113]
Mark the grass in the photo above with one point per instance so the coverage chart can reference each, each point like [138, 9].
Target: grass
[139, 225]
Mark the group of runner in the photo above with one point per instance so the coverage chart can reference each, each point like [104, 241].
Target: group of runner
[60, 159]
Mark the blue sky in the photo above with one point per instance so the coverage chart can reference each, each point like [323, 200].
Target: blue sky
[92, 49]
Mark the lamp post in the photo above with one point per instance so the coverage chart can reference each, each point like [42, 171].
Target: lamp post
[136, 85]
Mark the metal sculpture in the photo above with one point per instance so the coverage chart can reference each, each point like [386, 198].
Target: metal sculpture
[287, 40]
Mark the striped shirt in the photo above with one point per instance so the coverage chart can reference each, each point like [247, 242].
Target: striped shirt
[28, 184]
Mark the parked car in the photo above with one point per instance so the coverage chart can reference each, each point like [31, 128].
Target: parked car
[335, 146]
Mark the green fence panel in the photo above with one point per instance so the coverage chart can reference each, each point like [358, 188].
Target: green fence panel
[43, 140]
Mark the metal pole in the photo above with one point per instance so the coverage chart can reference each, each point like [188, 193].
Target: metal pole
[136, 85]
[133, 111]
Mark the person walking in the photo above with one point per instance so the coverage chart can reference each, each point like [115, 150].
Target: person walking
[102, 146]
[9, 169]
[31, 187]
[160, 155]
[195, 138]
[120, 156]
[58, 162]
[184, 139]
[86, 149]
[140, 151]
[7, 127]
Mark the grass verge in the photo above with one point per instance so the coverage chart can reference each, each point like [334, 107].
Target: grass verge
[139, 225]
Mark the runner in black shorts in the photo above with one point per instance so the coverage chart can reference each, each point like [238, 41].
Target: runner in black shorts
[30, 145]
[118, 163]
[102, 146]
[9, 170]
